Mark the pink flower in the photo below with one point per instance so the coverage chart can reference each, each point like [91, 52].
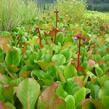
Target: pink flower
[77, 37]
[91, 63]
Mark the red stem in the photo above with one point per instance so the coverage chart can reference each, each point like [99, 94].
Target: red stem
[56, 25]
[79, 53]
[40, 39]
[55, 36]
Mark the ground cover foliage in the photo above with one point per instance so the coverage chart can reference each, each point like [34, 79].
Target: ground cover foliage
[60, 62]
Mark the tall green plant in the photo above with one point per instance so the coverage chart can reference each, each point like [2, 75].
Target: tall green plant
[16, 12]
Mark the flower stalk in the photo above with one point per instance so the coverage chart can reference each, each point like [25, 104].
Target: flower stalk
[56, 28]
[40, 38]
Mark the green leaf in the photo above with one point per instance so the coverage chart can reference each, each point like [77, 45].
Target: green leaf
[24, 72]
[70, 102]
[59, 59]
[105, 101]
[56, 48]
[87, 104]
[1, 93]
[15, 82]
[67, 53]
[13, 57]
[46, 57]
[6, 105]
[103, 79]
[71, 87]
[98, 70]
[98, 57]
[27, 92]
[44, 65]
[6, 92]
[70, 71]
[104, 91]
[9, 105]
[94, 91]
[60, 37]
[38, 73]
[106, 57]
[61, 92]
[61, 75]
[43, 77]
[4, 79]
[80, 96]
[1, 55]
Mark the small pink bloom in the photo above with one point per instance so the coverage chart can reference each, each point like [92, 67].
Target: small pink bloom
[91, 63]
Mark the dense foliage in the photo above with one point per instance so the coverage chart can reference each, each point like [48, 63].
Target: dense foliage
[56, 63]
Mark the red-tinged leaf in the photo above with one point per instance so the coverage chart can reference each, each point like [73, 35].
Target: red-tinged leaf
[49, 99]
[51, 32]
[6, 92]
[6, 105]
[98, 104]
[4, 44]
[25, 74]
[102, 62]
[37, 41]
[107, 50]
[40, 38]
[79, 81]
[87, 104]
[24, 48]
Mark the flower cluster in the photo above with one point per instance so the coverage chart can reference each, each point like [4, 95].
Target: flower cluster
[79, 37]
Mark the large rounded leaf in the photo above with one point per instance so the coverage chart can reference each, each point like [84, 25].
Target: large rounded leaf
[87, 104]
[70, 102]
[49, 99]
[70, 71]
[59, 59]
[67, 53]
[28, 92]
[80, 96]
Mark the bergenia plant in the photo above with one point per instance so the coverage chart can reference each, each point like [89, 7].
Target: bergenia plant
[53, 32]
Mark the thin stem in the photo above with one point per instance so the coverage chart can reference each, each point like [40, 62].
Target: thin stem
[40, 39]
[56, 17]
[56, 25]
[10, 74]
[79, 53]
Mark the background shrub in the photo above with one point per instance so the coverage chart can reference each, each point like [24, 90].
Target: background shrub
[16, 12]
[72, 9]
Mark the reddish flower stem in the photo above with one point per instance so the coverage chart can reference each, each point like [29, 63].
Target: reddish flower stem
[56, 12]
[39, 35]
[79, 54]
